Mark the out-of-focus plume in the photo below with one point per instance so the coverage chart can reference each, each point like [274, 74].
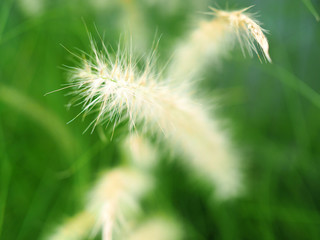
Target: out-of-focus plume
[32, 8]
[115, 200]
[157, 228]
[113, 207]
[140, 151]
[75, 228]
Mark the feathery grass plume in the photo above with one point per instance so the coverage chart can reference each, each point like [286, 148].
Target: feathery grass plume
[77, 227]
[213, 39]
[118, 91]
[113, 207]
[32, 8]
[157, 228]
[140, 151]
[115, 201]
[134, 22]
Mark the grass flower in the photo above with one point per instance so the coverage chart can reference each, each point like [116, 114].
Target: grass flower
[157, 228]
[115, 200]
[140, 151]
[32, 8]
[113, 207]
[75, 228]
[247, 29]
[215, 38]
[118, 91]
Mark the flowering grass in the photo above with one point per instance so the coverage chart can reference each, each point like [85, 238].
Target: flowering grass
[118, 91]
[273, 110]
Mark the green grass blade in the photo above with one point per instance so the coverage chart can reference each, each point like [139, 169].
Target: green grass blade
[296, 84]
[48, 120]
[4, 15]
[312, 9]
[5, 177]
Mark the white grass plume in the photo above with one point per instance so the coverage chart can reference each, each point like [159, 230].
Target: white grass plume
[115, 201]
[140, 151]
[32, 8]
[75, 228]
[214, 39]
[118, 91]
[247, 29]
[113, 207]
[157, 228]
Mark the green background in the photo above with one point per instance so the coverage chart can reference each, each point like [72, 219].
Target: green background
[47, 166]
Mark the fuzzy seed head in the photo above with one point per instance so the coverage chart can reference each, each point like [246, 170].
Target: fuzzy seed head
[77, 227]
[140, 151]
[115, 88]
[115, 201]
[157, 228]
[213, 39]
[248, 30]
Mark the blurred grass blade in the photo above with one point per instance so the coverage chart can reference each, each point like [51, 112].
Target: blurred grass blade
[312, 9]
[5, 177]
[4, 188]
[4, 14]
[48, 120]
[27, 25]
[16, 31]
[296, 84]
[40, 201]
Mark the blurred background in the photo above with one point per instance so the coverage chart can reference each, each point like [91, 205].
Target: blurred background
[47, 166]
